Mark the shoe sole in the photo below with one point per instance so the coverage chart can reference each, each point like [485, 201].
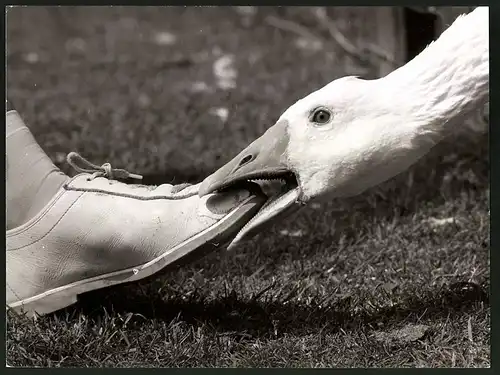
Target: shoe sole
[196, 246]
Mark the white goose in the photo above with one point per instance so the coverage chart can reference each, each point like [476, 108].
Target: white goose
[353, 134]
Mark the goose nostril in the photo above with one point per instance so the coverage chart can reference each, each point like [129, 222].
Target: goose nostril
[245, 160]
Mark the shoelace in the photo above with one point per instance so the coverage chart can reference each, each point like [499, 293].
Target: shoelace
[104, 170]
[107, 171]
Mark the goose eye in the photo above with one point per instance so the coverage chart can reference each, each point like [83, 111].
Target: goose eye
[321, 116]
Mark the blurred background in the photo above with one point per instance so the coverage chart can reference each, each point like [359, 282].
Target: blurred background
[173, 93]
[180, 90]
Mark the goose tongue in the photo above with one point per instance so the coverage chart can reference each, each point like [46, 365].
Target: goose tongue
[263, 159]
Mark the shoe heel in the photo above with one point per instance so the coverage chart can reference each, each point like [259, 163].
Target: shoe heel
[46, 304]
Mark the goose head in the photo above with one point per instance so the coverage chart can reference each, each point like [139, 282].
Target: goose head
[335, 142]
[353, 134]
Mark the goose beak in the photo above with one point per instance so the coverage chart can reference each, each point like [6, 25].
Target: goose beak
[265, 158]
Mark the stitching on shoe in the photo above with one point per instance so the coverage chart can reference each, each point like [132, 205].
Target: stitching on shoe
[125, 195]
[34, 220]
[48, 231]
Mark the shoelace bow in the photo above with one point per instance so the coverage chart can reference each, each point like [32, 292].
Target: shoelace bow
[104, 170]
[107, 171]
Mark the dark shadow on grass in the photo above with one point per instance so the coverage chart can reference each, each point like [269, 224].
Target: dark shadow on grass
[261, 317]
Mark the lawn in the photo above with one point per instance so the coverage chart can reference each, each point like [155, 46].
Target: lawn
[398, 276]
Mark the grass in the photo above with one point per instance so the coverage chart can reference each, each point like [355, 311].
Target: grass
[371, 281]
